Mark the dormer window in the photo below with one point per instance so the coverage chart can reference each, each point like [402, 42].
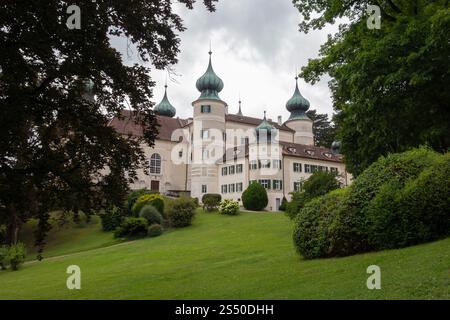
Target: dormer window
[327, 154]
[292, 149]
[309, 152]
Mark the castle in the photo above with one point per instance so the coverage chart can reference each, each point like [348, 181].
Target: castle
[219, 152]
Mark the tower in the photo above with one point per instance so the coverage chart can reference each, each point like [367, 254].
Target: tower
[299, 121]
[208, 133]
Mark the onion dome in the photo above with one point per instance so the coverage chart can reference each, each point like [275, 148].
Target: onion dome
[209, 84]
[165, 108]
[336, 147]
[264, 129]
[297, 105]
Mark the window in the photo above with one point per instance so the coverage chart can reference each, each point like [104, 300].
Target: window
[155, 163]
[253, 165]
[276, 164]
[277, 184]
[231, 188]
[205, 134]
[307, 168]
[224, 171]
[180, 154]
[204, 188]
[297, 186]
[265, 163]
[205, 154]
[239, 187]
[323, 168]
[224, 188]
[314, 168]
[239, 168]
[205, 109]
[231, 170]
[265, 183]
[298, 167]
[333, 169]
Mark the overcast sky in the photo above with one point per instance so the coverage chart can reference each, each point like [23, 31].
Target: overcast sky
[256, 47]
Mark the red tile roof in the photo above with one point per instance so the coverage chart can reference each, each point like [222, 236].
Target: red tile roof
[311, 152]
[255, 121]
[127, 125]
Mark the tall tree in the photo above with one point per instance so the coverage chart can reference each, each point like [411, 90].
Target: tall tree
[59, 87]
[389, 85]
[324, 131]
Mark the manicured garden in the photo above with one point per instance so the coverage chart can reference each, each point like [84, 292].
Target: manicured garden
[247, 256]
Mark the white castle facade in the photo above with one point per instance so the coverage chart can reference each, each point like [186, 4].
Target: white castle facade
[219, 152]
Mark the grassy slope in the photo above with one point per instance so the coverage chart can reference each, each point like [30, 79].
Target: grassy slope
[250, 256]
[69, 238]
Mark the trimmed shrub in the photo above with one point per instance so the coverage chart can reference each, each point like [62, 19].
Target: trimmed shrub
[154, 199]
[283, 204]
[151, 214]
[211, 201]
[16, 255]
[417, 212]
[322, 228]
[229, 207]
[4, 250]
[181, 212]
[132, 227]
[318, 184]
[133, 196]
[255, 197]
[155, 230]
[400, 200]
[111, 219]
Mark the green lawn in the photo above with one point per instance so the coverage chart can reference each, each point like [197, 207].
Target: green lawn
[250, 256]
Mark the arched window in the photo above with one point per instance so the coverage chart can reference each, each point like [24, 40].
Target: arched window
[155, 163]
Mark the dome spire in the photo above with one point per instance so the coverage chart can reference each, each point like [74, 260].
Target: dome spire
[165, 108]
[240, 111]
[209, 84]
[297, 105]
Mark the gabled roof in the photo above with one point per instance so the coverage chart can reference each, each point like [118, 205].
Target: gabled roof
[254, 121]
[127, 125]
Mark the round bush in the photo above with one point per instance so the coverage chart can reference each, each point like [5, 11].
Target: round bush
[211, 201]
[16, 255]
[133, 196]
[132, 227]
[322, 228]
[415, 212]
[151, 214]
[255, 197]
[155, 230]
[229, 207]
[154, 199]
[283, 204]
[181, 212]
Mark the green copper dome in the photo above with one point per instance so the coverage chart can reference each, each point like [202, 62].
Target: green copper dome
[209, 84]
[297, 105]
[264, 126]
[164, 108]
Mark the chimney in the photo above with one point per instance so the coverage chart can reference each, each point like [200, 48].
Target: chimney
[280, 122]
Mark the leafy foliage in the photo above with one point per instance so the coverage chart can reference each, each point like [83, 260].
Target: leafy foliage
[229, 207]
[181, 212]
[389, 86]
[111, 218]
[155, 230]
[283, 204]
[59, 88]
[400, 200]
[255, 197]
[133, 196]
[324, 132]
[211, 201]
[16, 255]
[156, 200]
[151, 214]
[132, 227]
[4, 249]
[318, 184]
